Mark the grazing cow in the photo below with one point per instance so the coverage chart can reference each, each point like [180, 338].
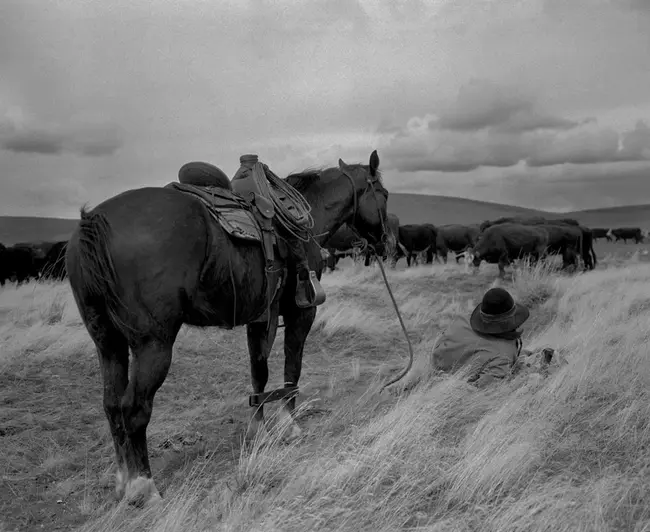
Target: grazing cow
[600, 232]
[584, 247]
[527, 220]
[414, 239]
[343, 243]
[503, 243]
[627, 233]
[457, 238]
[564, 240]
[19, 262]
[53, 266]
[3, 274]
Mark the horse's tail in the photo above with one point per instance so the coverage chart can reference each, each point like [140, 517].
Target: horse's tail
[95, 271]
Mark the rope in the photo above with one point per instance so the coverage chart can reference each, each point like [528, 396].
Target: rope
[364, 245]
[401, 322]
[297, 222]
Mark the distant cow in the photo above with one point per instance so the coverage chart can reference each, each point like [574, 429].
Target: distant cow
[564, 240]
[584, 248]
[53, 266]
[527, 220]
[600, 232]
[3, 275]
[343, 243]
[414, 239]
[627, 233]
[457, 238]
[503, 243]
[19, 262]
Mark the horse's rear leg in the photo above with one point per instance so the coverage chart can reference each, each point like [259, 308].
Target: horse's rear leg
[297, 324]
[259, 348]
[150, 364]
[113, 354]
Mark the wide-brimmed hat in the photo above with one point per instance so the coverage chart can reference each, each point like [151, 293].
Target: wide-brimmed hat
[498, 313]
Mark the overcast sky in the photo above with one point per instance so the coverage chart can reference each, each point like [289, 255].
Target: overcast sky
[538, 103]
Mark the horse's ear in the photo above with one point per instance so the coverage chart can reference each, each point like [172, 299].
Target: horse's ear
[374, 162]
[342, 164]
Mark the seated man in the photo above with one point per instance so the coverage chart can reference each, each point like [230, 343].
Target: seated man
[489, 341]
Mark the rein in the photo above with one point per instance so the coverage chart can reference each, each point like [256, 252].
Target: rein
[365, 245]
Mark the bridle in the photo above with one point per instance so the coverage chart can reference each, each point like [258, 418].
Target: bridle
[370, 185]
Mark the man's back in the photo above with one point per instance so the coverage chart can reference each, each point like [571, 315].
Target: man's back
[490, 357]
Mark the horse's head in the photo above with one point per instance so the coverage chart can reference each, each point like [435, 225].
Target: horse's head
[369, 200]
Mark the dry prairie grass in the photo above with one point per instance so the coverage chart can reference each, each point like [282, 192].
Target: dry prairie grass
[569, 452]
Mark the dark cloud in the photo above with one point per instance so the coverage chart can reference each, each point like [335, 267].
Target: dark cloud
[556, 188]
[34, 142]
[90, 141]
[491, 126]
[482, 104]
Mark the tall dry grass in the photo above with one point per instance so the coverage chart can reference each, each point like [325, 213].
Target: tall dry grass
[565, 453]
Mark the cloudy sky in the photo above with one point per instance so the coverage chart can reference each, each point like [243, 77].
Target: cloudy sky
[539, 103]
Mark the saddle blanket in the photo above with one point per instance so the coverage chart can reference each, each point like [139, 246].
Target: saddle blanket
[232, 211]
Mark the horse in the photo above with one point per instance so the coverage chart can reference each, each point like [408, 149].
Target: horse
[148, 260]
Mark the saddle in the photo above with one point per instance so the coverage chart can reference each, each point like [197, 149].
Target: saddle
[243, 210]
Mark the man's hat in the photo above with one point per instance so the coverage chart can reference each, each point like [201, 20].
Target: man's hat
[498, 313]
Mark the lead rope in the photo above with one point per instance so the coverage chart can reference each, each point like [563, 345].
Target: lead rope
[383, 274]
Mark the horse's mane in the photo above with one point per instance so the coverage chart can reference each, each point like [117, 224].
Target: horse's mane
[302, 181]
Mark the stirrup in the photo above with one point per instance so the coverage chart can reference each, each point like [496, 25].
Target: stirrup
[317, 293]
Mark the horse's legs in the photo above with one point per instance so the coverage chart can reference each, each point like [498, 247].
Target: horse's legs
[150, 364]
[297, 324]
[113, 354]
[259, 348]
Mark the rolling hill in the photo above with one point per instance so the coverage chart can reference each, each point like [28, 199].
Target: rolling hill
[410, 208]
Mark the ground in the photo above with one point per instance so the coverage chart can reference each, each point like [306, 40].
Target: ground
[567, 452]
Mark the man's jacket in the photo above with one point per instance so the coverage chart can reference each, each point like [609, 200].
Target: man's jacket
[490, 358]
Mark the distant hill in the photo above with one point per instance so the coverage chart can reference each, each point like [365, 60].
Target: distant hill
[632, 215]
[34, 229]
[420, 208]
[410, 208]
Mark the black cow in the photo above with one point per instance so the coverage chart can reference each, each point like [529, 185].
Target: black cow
[19, 262]
[527, 220]
[457, 238]
[564, 240]
[414, 239]
[343, 243]
[503, 243]
[600, 232]
[53, 266]
[627, 233]
[3, 275]
[584, 247]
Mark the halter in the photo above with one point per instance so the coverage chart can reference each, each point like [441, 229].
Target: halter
[369, 184]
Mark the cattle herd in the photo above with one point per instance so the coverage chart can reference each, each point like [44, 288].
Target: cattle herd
[25, 261]
[499, 241]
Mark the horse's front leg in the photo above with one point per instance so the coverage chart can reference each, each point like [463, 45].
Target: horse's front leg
[297, 324]
[259, 348]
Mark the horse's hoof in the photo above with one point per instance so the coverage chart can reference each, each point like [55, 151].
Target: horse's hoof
[291, 433]
[256, 430]
[142, 492]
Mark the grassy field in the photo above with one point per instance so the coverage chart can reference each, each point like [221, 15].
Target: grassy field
[410, 208]
[565, 453]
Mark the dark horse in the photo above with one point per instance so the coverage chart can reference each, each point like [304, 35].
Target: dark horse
[149, 260]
